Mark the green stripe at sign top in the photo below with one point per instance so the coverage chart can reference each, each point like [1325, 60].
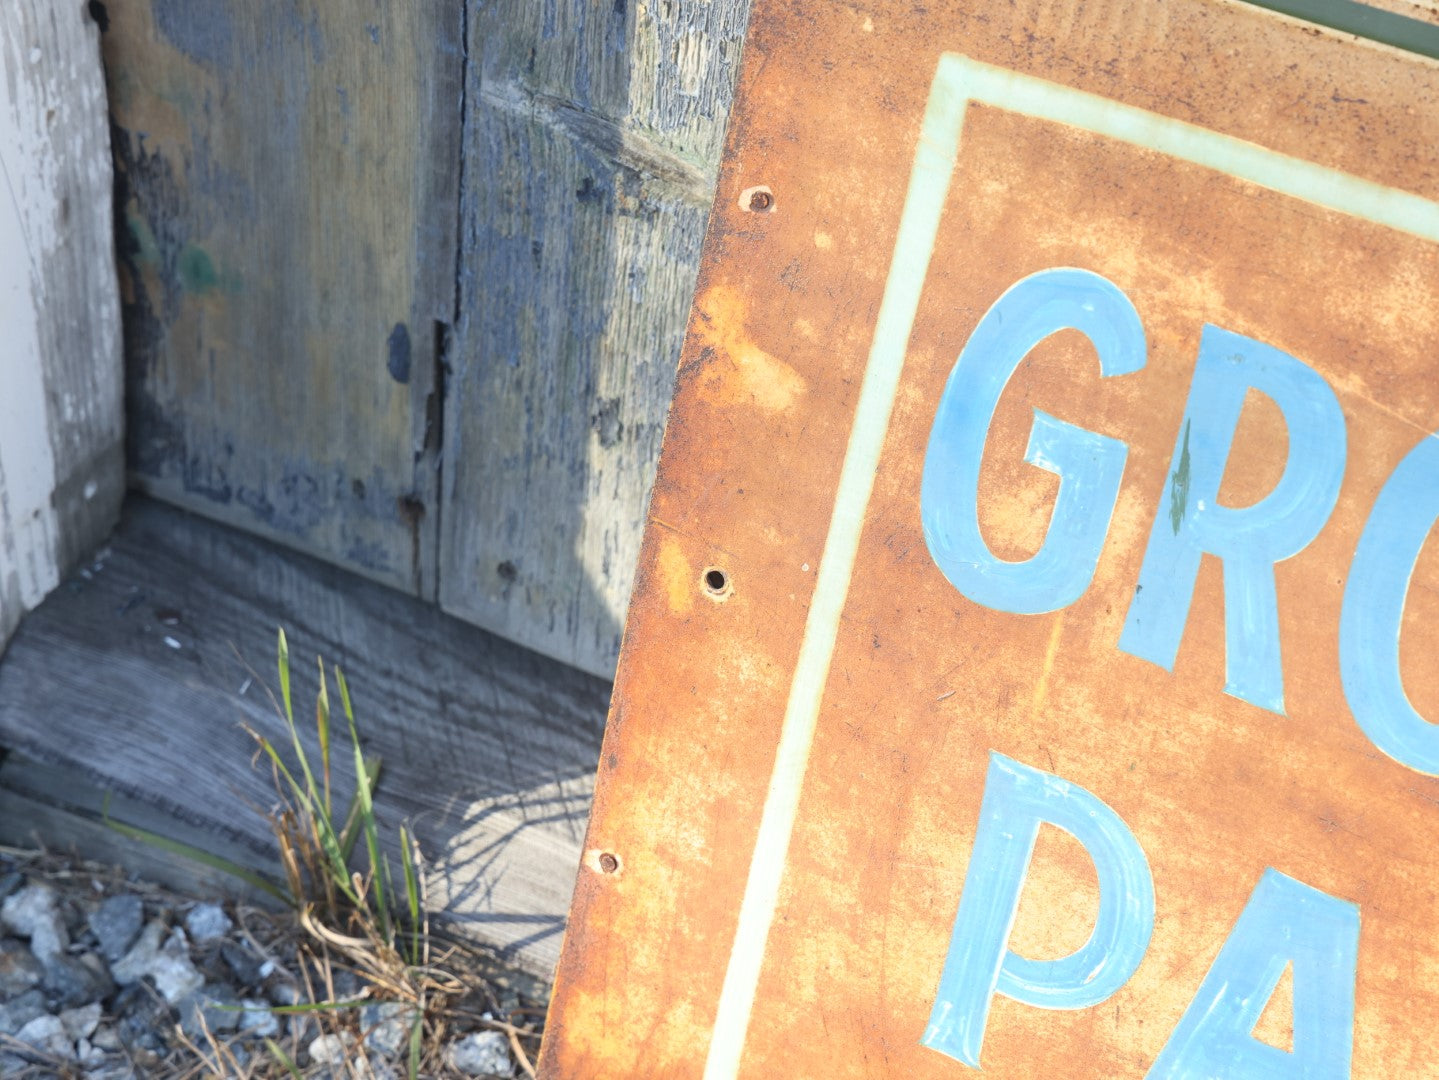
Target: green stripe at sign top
[1361, 20]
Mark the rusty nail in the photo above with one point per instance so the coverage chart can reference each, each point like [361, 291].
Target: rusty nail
[608, 863]
[761, 200]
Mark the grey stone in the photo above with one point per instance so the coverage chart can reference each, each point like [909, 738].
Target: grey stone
[331, 1049]
[17, 1013]
[98, 966]
[70, 982]
[105, 1038]
[81, 1023]
[257, 1019]
[87, 1053]
[347, 985]
[112, 1070]
[214, 1006]
[281, 990]
[143, 1019]
[19, 970]
[168, 964]
[175, 976]
[299, 1028]
[243, 964]
[47, 1035]
[386, 1026]
[380, 1069]
[33, 913]
[135, 964]
[482, 1053]
[207, 922]
[13, 1065]
[116, 924]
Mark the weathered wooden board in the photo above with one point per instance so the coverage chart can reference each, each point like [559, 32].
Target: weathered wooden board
[61, 460]
[287, 188]
[62, 809]
[923, 579]
[592, 138]
[486, 748]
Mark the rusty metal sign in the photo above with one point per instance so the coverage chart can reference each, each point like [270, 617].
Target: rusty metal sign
[1031, 665]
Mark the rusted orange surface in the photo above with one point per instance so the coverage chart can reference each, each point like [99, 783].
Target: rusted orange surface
[871, 818]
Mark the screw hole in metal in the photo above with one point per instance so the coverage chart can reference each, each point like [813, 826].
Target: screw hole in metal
[609, 862]
[717, 582]
[757, 200]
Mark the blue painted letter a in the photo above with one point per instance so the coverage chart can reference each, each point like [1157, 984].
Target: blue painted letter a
[1285, 923]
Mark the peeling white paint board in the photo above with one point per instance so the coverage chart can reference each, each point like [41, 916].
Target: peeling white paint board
[61, 467]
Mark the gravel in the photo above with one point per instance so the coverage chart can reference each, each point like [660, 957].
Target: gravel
[33, 913]
[19, 970]
[482, 1053]
[71, 980]
[257, 1019]
[387, 1027]
[16, 1014]
[331, 1049]
[81, 1023]
[207, 922]
[116, 924]
[47, 1035]
[103, 979]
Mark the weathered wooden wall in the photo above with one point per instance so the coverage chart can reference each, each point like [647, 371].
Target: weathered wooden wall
[292, 183]
[61, 465]
[287, 183]
[591, 148]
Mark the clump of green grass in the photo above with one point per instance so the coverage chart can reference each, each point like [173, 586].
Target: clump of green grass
[317, 847]
[337, 880]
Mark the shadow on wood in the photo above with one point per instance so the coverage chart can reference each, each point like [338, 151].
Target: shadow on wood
[139, 672]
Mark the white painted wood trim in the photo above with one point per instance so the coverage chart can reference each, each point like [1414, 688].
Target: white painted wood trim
[61, 376]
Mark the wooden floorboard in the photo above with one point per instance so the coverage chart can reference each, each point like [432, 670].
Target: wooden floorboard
[141, 671]
[55, 808]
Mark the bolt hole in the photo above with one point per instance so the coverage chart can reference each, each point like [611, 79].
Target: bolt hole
[609, 863]
[761, 200]
[716, 580]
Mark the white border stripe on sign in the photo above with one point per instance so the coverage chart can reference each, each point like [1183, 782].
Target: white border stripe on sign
[958, 81]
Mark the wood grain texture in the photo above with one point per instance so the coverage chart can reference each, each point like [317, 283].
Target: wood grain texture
[62, 809]
[487, 749]
[287, 183]
[61, 461]
[591, 144]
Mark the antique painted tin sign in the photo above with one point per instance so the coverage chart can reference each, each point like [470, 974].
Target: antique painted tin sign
[1031, 667]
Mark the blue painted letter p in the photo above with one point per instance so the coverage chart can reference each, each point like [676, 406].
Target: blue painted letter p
[1017, 800]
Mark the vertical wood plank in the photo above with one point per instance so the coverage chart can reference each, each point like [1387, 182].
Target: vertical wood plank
[61, 461]
[287, 185]
[591, 146]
